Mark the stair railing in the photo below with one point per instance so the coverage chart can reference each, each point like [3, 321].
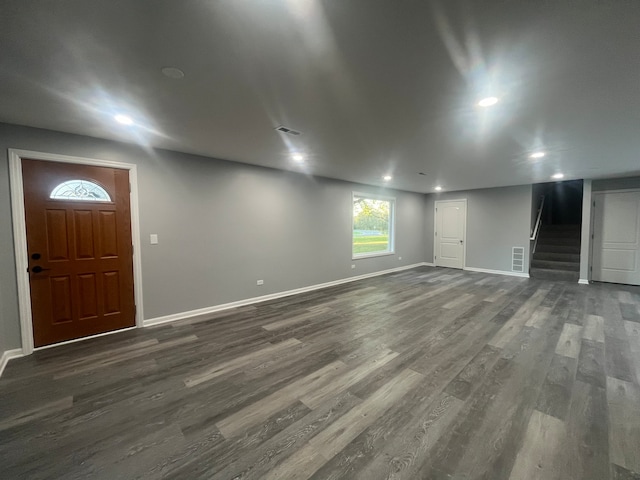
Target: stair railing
[536, 228]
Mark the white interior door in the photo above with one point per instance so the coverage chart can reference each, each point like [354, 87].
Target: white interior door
[616, 238]
[451, 220]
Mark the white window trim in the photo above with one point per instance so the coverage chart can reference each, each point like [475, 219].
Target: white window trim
[20, 236]
[392, 233]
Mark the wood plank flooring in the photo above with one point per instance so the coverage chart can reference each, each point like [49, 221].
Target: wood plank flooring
[423, 374]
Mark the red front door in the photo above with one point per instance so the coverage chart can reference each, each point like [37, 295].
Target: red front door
[80, 251]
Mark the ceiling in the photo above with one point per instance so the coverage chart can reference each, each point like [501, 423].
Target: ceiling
[376, 86]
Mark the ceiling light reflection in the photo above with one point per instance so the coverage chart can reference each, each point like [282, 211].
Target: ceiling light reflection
[123, 119]
[488, 102]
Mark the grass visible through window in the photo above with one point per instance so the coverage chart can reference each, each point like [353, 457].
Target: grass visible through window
[370, 243]
[372, 225]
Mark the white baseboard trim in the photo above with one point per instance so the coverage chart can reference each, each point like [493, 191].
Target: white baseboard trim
[497, 272]
[583, 281]
[8, 355]
[249, 301]
[82, 339]
[428, 264]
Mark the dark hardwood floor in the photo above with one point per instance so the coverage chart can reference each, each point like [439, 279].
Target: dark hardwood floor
[428, 373]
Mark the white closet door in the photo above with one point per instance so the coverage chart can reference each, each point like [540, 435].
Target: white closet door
[451, 218]
[616, 242]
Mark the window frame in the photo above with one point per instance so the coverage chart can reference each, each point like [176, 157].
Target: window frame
[392, 224]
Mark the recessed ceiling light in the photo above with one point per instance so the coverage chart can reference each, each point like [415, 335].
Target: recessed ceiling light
[537, 155]
[297, 157]
[386, 178]
[488, 102]
[124, 119]
[557, 176]
[438, 188]
[172, 72]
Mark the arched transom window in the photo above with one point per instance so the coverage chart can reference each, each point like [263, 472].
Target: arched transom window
[82, 190]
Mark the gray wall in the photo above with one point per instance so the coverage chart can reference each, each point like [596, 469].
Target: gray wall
[537, 190]
[497, 219]
[615, 184]
[9, 324]
[4, 338]
[221, 226]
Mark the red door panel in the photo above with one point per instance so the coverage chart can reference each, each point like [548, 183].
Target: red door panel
[80, 250]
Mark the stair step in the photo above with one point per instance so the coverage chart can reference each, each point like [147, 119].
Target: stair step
[560, 228]
[553, 265]
[554, 275]
[559, 234]
[559, 241]
[557, 256]
[541, 247]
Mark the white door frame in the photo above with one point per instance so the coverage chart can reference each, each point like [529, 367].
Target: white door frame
[435, 226]
[593, 222]
[20, 236]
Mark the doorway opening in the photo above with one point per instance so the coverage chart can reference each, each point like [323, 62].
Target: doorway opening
[556, 225]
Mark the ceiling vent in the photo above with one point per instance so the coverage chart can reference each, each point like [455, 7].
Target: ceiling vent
[288, 131]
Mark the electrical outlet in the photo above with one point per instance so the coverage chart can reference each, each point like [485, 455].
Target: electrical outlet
[399, 258]
[260, 282]
[353, 266]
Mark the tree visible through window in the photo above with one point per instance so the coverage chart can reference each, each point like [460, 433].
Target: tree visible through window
[372, 225]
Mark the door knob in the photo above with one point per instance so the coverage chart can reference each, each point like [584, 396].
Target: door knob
[38, 269]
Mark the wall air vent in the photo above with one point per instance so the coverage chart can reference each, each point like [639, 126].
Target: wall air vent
[288, 131]
[517, 259]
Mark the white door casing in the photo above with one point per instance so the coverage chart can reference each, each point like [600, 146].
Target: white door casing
[450, 233]
[616, 237]
[20, 237]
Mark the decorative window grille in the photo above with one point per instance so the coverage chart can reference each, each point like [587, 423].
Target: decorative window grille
[82, 190]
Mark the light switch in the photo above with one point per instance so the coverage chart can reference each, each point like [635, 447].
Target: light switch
[153, 239]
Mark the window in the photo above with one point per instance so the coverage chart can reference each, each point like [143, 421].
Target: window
[82, 190]
[373, 225]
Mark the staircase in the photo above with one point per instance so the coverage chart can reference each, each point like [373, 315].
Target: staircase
[557, 254]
